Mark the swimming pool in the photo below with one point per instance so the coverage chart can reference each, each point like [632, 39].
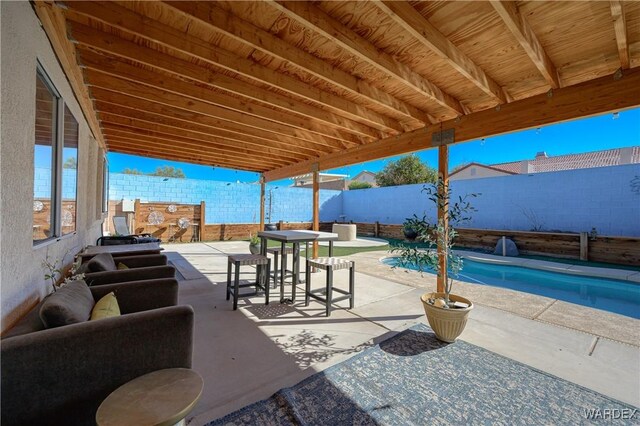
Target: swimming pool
[621, 297]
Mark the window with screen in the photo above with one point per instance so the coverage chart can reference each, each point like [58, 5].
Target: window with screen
[69, 173]
[44, 194]
[55, 160]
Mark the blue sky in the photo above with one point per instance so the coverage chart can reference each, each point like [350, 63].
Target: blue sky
[591, 134]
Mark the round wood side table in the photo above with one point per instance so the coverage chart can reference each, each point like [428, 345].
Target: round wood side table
[163, 397]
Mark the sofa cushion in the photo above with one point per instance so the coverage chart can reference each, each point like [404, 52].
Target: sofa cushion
[102, 262]
[71, 304]
[106, 307]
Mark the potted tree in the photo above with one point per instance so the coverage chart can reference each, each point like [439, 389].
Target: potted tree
[447, 313]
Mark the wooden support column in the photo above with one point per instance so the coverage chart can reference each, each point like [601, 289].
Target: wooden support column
[443, 212]
[261, 203]
[316, 206]
[136, 214]
[202, 220]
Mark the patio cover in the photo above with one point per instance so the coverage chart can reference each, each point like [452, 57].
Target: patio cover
[287, 88]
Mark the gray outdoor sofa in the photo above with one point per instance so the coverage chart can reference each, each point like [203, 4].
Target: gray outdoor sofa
[103, 268]
[59, 376]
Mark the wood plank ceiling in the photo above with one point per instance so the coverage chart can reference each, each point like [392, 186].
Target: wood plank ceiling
[266, 85]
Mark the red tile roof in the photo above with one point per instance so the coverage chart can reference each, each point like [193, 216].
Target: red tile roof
[540, 164]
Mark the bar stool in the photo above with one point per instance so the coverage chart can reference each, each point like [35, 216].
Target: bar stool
[245, 260]
[329, 264]
[277, 267]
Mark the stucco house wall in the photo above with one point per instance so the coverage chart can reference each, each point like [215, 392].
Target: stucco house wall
[365, 176]
[22, 282]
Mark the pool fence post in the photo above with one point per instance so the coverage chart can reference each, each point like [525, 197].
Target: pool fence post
[504, 246]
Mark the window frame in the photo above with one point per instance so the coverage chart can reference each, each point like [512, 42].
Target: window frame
[105, 184]
[77, 169]
[57, 148]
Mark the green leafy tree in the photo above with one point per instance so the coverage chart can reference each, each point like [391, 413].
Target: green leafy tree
[169, 171]
[70, 163]
[129, 171]
[406, 171]
[359, 185]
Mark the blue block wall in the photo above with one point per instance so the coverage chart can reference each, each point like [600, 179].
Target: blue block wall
[227, 202]
[568, 201]
[42, 183]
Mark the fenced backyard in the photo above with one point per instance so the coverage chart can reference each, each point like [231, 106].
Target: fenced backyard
[175, 222]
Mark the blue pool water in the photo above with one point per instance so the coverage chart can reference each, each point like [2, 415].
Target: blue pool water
[621, 297]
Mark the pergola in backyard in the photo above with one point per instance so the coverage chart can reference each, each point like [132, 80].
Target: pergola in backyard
[288, 88]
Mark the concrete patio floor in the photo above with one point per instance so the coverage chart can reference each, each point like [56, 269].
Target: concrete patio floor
[248, 354]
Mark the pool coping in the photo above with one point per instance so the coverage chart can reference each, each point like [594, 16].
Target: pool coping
[562, 268]
[595, 322]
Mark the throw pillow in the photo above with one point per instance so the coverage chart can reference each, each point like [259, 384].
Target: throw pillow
[102, 262]
[71, 304]
[122, 266]
[106, 307]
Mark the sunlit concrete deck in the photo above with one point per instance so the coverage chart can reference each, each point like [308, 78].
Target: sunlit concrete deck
[247, 355]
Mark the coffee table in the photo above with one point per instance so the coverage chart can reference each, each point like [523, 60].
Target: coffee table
[161, 398]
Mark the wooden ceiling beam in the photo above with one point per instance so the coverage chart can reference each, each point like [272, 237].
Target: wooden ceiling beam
[598, 96]
[208, 141]
[189, 90]
[167, 152]
[620, 27]
[179, 126]
[195, 131]
[522, 31]
[223, 22]
[127, 103]
[130, 89]
[125, 147]
[124, 19]
[55, 27]
[109, 58]
[149, 139]
[352, 131]
[422, 30]
[319, 22]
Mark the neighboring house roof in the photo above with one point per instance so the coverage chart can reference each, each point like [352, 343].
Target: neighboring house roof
[542, 163]
[485, 167]
[364, 172]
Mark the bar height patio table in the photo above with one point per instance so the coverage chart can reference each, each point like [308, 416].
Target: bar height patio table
[294, 237]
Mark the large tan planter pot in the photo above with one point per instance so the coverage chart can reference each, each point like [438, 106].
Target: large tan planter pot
[448, 324]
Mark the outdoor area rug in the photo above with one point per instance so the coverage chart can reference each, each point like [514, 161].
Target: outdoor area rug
[413, 378]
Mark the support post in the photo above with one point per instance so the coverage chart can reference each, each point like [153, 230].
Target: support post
[584, 246]
[261, 203]
[136, 215]
[202, 221]
[316, 207]
[443, 212]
